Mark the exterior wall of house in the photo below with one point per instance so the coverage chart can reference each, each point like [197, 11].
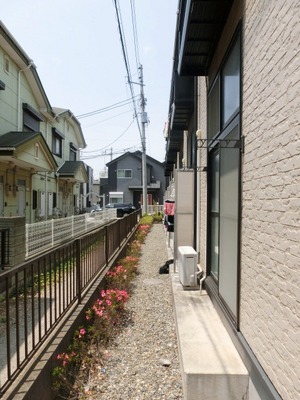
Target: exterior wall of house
[63, 125]
[19, 90]
[8, 97]
[270, 231]
[130, 161]
[255, 186]
[11, 120]
[270, 284]
[15, 85]
[9, 177]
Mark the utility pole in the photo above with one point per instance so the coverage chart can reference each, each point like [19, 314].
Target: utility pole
[144, 155]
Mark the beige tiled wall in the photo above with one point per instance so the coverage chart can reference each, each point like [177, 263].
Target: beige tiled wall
[270, 280]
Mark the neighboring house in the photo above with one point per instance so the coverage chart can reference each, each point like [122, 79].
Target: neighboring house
[40, 171]
[91, 192]
[124, 182]
[95, 195]
[234, 121]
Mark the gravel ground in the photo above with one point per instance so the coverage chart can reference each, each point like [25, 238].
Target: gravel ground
[143, 362]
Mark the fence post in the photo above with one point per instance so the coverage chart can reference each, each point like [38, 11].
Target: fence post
[106, 245]
[78, 268]
[52, 232]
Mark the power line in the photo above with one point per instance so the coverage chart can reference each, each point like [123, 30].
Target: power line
[142, 100]
[125, 56]
[111, 153]
[135, 35]
[106, 119]
[92, 151]
[108, 108]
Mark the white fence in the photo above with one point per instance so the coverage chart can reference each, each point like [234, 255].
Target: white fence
[42, 236]
[158, 208]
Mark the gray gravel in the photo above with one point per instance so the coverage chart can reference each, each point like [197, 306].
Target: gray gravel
[143, 361]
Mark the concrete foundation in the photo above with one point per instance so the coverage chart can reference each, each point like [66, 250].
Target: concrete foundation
[210, 364]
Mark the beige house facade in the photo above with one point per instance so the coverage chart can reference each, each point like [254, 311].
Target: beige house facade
[40, 170]
[234, 121]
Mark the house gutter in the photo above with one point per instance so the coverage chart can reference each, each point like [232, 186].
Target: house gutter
[31, 64]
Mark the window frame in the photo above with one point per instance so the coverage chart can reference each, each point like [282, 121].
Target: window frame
[73, 152]
[125, 170]
[57, 142]
[6, 64]
[214, 281]
[31, 119]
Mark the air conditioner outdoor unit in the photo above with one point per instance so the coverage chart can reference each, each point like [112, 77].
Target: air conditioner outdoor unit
[187, 266]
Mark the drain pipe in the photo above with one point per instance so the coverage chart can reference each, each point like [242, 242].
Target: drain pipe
[200, 274]
[31, 63]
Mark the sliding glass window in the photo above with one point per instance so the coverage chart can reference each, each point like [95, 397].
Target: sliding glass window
[224, 179]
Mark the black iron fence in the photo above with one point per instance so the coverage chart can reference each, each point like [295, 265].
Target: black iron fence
[34, 296]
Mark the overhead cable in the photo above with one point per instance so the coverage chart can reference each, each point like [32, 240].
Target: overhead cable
[92, 151]
[108, 108]
[135, 35]
[125, 56]
[112, 153]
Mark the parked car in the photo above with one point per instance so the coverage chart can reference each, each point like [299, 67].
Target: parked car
[122, 208]
[94, 208]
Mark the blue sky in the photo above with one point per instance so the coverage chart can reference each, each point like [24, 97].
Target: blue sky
[76, 47]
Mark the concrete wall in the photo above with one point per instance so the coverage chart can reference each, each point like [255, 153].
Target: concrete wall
[16, 239]
[270, 282]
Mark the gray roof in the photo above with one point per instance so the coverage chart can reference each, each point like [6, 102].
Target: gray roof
[15, 139]
[70, 167]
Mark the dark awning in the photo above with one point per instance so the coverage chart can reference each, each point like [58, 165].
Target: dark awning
[199, 29]
[182, 101]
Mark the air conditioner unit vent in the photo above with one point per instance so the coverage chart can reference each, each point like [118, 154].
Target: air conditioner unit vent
[187, 266]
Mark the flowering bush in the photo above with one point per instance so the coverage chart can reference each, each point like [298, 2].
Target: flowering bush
[70, 362]
[102, 322]
[118, 278]
[134, 248]
[142, 232]
[130, 261]
[106, 314]
[106, 306]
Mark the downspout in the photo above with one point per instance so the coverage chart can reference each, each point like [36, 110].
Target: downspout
[185, 152]
[57, 187]
[32, 172]
[31, 63]
[46, 196]
[195, 163]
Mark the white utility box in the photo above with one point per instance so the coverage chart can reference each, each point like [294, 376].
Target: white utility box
[187, 266]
